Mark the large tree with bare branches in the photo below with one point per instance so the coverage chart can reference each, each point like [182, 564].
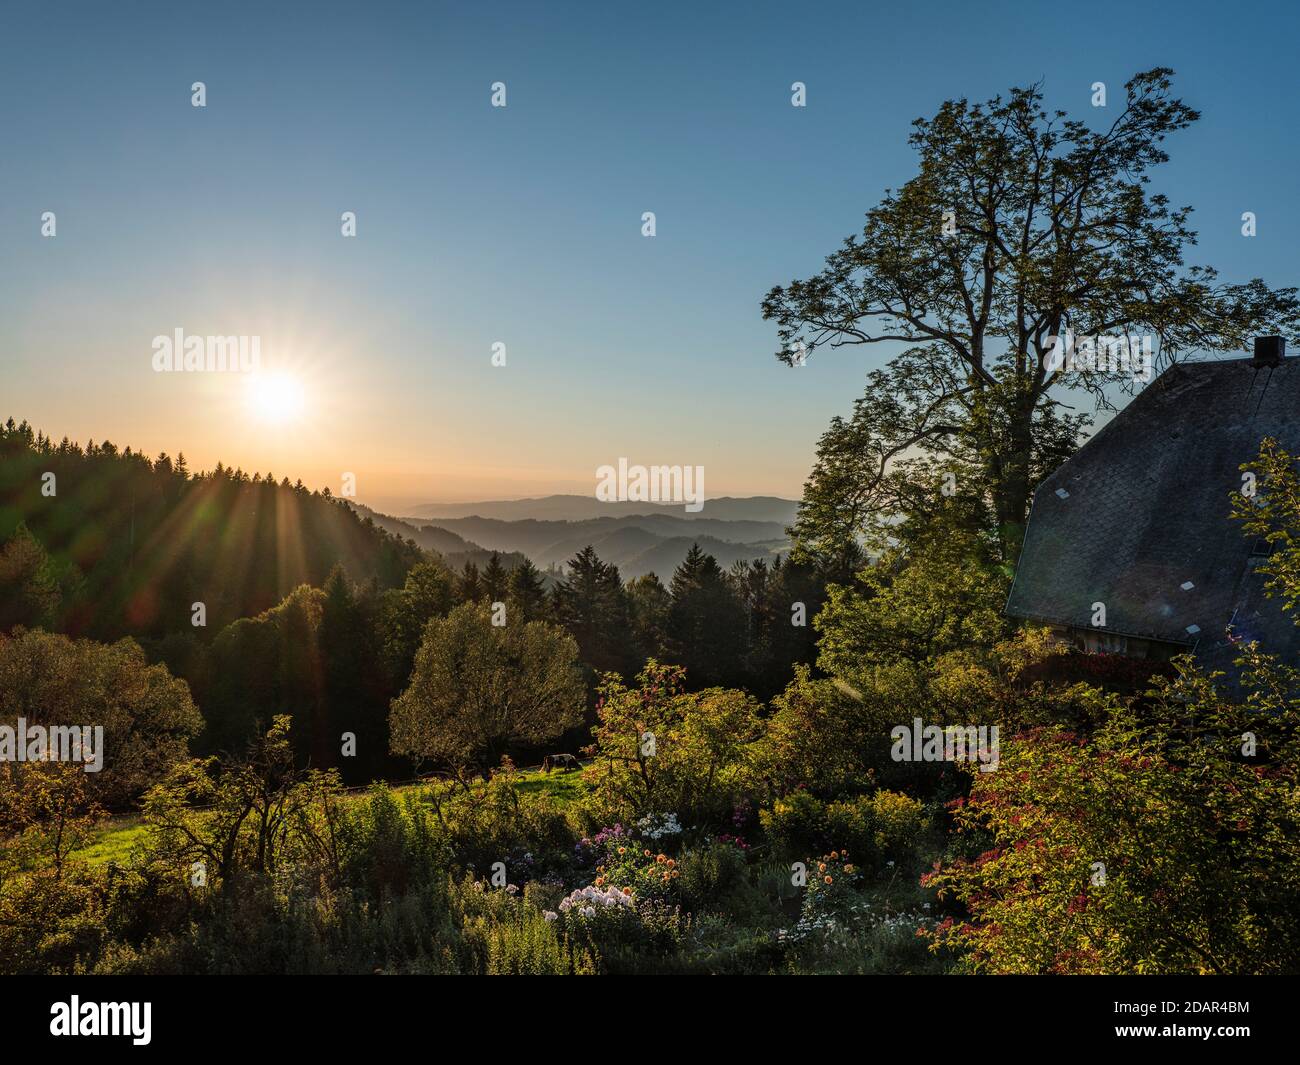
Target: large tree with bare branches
[1020, 227]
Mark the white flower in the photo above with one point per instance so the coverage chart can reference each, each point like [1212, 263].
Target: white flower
[551, 915]
[654, 826]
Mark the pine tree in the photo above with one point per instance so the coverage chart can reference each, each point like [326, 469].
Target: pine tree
[706, 623]
[527, 593]
[29, 589]
[591, 604]
[469, 589]
[495, 579]
[339, 638]
[427, 593]
[648, 603]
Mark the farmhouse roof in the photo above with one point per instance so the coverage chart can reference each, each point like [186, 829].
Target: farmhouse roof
[1138, 518]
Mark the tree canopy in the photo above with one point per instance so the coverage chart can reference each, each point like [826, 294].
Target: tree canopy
[478, 687]
[1020, 225]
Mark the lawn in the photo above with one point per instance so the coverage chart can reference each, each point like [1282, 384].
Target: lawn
[567, 787]
[114, 839]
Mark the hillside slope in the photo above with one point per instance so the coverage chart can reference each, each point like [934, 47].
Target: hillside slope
[135, 542]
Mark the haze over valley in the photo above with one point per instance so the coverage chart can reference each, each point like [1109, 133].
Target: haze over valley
[639, 538]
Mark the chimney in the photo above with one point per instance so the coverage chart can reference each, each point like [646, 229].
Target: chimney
[1269, 351]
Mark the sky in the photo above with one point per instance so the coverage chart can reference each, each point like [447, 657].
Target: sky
[522, 225]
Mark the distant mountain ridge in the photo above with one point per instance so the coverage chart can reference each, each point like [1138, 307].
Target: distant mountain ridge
[637, 543]
[584, 508]
[455, 550]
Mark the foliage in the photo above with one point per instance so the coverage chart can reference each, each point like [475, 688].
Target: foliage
[478, 687]
[427, 593]
[591, 604]
[706, 623]
[253, 814]
[1019, 225]
[1272, 513]
[659, 748]
[147, 714]
[136, 541]
[30, 591]
[884, 827]
[913, 605]
[47, 811]
[1156, 845]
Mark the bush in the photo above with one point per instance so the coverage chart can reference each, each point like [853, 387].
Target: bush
[660, 748]
[878, 828]
[507, 936]
[390, 846]
[710, 875]
[875, 829]
[498, 822]
[52, 924]
[796, 824]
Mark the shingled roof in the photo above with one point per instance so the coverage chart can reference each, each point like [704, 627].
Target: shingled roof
[1138, 517]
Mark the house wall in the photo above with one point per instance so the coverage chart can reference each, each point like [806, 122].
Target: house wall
[1099, 641]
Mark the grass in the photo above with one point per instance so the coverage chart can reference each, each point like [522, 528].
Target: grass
[567, 787]
[114, 840]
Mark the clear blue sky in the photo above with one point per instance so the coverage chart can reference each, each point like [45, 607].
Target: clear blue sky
[523, 225]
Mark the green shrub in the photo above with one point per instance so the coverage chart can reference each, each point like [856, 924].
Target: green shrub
[796, 824]
[710, 876]
[50, 924]
[390, 846]
[874, 829]
[878, 828]
[492, 822]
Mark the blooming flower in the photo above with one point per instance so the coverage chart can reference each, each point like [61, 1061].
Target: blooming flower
[656, 826]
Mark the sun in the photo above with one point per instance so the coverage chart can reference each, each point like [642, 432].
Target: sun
[276, 398]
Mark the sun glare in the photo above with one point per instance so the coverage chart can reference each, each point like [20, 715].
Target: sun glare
[276, 398]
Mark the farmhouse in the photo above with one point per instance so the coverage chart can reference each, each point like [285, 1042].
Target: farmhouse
[1134, 532]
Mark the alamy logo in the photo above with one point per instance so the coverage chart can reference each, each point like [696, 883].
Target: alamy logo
[102, 1018]
[654, 484]
[1121, 354]
[213, 354]
[952, 743]
[57, 743]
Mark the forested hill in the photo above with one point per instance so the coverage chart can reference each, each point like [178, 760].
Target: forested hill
[454, 550]
[135, 542]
